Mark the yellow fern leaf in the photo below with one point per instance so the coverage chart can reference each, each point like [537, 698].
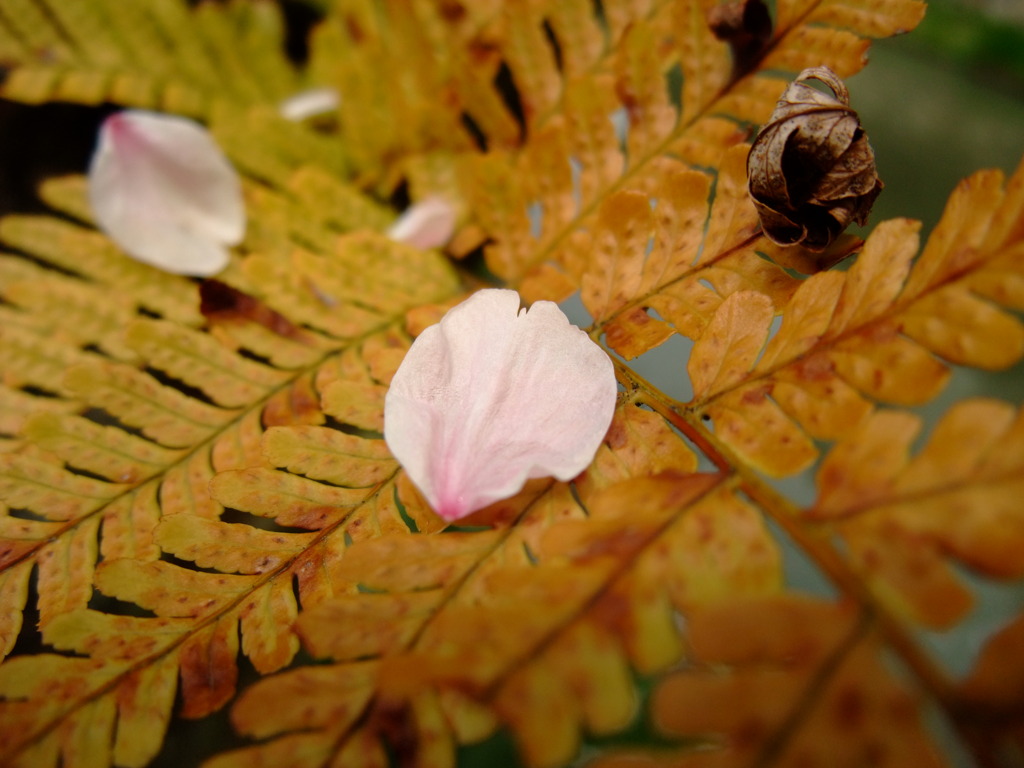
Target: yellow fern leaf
[185, 602]
[157, 56]
[14, 580]
[80, 251]
[697, 135]
[867, 334]
[675, 278]
[770, 677]
[437, 610]
[995, 680]
[194, 473]
[120, 448]
[40, 687]
[952, 499]
[329, 455]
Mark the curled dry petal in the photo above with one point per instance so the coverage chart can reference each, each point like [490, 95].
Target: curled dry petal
[492, 396]
[310, 103]
[164, 192]
[427, 224]
[811, 170]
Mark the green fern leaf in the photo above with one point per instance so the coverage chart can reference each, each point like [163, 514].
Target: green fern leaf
[156, 55]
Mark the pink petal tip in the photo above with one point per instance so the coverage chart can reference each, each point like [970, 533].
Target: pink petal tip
[165, 193]
[427, 224]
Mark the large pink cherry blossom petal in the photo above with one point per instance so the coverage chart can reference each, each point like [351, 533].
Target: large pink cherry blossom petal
[429, 223]
[492, 396]
[164, 192]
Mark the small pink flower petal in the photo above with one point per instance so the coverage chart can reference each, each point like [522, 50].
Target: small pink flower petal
[492, 396]
[429, 223]
[165, 193]
[310, 103]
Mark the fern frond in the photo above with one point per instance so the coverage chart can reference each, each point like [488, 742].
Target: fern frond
[159, 55]
[953, 499]
[166, 473]
[681, 276]
[329, 455]
[579, 135]
[194, 473]
[414, 102]
[48, 681]
[121, 419]
[420, 577]
[438, 610]
[87, 254]
[819, 676]
[18, 536]
[637, 443]
[435, 617]
[870, 334]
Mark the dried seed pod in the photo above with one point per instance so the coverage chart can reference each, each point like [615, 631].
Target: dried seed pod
[746, 25]
[811, 170]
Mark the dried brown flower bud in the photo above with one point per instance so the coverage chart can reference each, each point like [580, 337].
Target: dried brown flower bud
[746, 25]
[811, 170]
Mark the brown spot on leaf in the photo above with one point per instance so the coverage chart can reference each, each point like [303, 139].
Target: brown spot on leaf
[850, 708]
[311, 518]
[630, 101]
[128, 687]
[220, 303]
[451, 11]
[208, 671]
[749, 734]
[816, 368]
[705, 528]
[756, 395]
[395, 722]
[11, 551]
[297, 404]
[264, 564]
[617, 434]
[614, 610]
[622, 544]
[482, 51]
[354, 28]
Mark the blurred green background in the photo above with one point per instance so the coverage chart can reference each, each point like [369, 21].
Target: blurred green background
[943, 102]
[939, 104]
